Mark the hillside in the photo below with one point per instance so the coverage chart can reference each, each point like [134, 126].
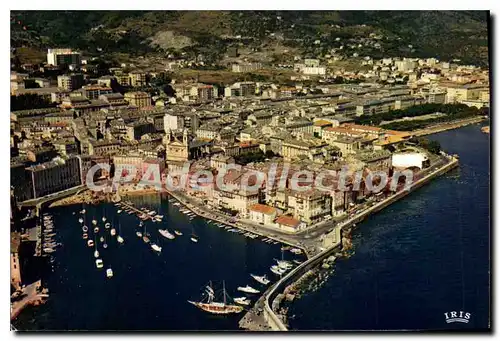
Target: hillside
[443, 34]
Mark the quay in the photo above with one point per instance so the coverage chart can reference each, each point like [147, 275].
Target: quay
[136, 210]
[448, 126]
[262, 316]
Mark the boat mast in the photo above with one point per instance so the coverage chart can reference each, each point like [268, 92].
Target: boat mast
[224, 291]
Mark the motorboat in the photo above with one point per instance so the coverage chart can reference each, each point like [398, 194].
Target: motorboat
[103, 219]
[242, 300]
[248, 289]
[156, 247]
[109, 273]
[179, 233]
[80, 220]
[105, 245]
[96, 229]
[119, 239]
[119, 211]
[94, 222]
[107, 225]
[101, 239]
[113, 232]
[261, 279]
[139, 234]
[85, 228]
[96, 254]
[145, 238]
[165, 233]
[277, 270]
[90, 242]
[85, 236]
[99, 263]
[48, 250]
[194, 239]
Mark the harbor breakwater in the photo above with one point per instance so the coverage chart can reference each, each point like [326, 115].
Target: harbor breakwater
[273, 320]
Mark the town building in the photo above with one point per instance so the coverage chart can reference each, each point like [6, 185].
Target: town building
[139, 99]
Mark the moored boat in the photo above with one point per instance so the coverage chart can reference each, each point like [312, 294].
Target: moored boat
[242, 300]
[248, 289]
[139, 234]
[156, 247]
[179, 233]
[85, 228]
[165, 233]
[90, 243]
[85, 236]
[214, 307]
[98, 263]
[113, 232]
[261, 279]
[109, 273]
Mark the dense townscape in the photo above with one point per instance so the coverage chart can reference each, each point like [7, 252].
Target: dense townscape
[295, 120]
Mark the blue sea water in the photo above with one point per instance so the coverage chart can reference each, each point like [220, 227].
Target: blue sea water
[417, 259]
[412, 262]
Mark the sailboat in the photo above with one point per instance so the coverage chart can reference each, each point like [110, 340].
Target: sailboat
[96, 229]
[103, 219]
[80, 220]
[177, 232]
[105, 245]
[85, 228]
[107, 225]
[119, 238]
[94, 222]
[96, 252]
[145, 237]
[214, 307]
[155, 247]
[109, 273]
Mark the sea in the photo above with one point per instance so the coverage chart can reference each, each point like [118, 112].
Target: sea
[411, 263]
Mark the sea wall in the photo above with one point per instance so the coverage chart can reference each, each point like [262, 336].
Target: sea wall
[270, 316]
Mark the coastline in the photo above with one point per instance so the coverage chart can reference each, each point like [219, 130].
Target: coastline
[437, 128]
[269, 316]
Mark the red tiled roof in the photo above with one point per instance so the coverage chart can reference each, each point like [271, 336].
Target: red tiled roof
[287, 221]
[262, 209]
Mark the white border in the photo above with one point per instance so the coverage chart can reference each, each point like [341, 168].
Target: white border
[212, 5]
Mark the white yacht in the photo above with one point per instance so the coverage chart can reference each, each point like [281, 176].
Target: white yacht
[139, 234]
[94, 222]
[113, 232]
[242, 300]
[101, 239]
[261, 279]
[179, 233]
[80, 220]
[85, 236]
[277, 270]
[85, 228]
[96, 254]
[103, 219]
[119, 211]
[109, 273]
[90, 242]
[248, 289]
[99, 263]
[156, 247]
[119, 239]
[107, 225]
[165, 233]
[96, 229]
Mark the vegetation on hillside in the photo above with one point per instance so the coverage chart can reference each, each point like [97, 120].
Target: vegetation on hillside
[443, 34]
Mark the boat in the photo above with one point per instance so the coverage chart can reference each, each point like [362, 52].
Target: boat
[94, 222]
[105, 245]
[103, 219]
[113, 232]
[194, 239]
[156, 247]
[242, 300]
[119, 211]
[277, 270]
[107, 225]
[109, 273]
[99, 263]
[261, 279]
[141, 224]
[101, 239]
[96, 229]
[85, 228]
[139, 234]
[48, 250]
[119, 239]
[85, 236]
[179, 233]
[145, 238]
[165, 233]
[214, 307]
[83, 211]
[80, 220]
[248, 289]
[296, 251]
[90, 242]
[96, 254]
[283, 264]
[298, 262]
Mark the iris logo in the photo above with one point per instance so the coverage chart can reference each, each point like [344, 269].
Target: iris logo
[460, 316]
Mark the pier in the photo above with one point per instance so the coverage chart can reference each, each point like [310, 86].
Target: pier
[135, 210]
[264, 310]
[33, 295]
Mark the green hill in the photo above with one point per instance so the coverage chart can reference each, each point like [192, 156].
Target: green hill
[443, 34]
